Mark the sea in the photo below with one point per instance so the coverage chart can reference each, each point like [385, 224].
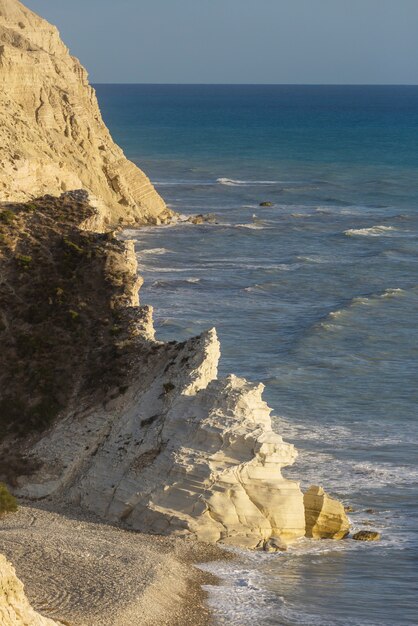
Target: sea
[315, 296]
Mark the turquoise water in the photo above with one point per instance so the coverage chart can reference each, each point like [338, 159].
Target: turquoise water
[317, 297]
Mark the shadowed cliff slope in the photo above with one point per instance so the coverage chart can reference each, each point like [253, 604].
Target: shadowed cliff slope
[96, 412]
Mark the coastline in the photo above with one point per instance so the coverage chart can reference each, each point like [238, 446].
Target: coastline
[79, 570]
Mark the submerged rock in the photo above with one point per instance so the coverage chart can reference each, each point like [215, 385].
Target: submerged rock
[266, 204]
[275, 544]
[325, 517]
[202, 219]
[367, 535]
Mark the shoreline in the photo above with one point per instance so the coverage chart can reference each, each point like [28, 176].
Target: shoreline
[78, 570]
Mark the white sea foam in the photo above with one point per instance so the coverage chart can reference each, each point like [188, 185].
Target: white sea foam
[153, 251]
[371, 300]
[251, 226]
[230, 182]
[373, 231]
[244, 597]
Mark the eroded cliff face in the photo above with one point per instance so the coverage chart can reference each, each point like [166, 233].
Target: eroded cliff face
[52, 136]
[15, 609]
[96, 412]
[181, 452]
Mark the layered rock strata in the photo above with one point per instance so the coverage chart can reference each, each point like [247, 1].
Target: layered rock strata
[52, 136]
[325, 517]
[182, 452]
[15, 609]
[108, 418]
[95, 411]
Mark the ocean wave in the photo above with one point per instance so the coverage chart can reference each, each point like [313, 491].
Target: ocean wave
[338, 436]
[230, 182]
[369, 300]
[156, 251]
[245, 596]
[345, 477]
[373, 231]
[253, 226]
[316, 259]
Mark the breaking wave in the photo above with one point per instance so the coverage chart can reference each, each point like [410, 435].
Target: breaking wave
[359, 301]
[230, 182]
[373, 231]
[156, 251]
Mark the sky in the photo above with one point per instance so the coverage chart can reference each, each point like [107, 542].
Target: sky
[240, 41]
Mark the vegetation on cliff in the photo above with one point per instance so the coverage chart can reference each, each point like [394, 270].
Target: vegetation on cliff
[8, 503]
[63, 315]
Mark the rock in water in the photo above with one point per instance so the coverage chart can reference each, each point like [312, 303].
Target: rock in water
[275, 544]
[325, 517]
[15, 609]
[52, 135]
[266, 204]
[367, 535]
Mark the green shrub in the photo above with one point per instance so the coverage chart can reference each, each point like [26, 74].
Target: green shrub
[24, 260]
[70, 245]
[74, 315]
[8, 503]
[7, 217]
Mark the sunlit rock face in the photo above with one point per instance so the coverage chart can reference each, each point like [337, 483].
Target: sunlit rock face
[146, 434]
[52, 136]
[325, 517]
[181, 452]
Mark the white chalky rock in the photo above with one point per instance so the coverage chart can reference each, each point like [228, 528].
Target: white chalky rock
[181, 452]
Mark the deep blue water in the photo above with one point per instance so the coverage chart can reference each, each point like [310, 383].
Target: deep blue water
[317, 297]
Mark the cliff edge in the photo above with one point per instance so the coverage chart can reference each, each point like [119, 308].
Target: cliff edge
[97, 413]
[52, 136]
[94, 411]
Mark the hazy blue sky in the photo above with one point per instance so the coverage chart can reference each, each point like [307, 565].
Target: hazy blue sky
[240, 41]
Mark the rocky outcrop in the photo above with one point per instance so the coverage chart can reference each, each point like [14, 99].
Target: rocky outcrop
[182, 452]
[52, 136]
[15, 609]
[108, 418]
[94, 411]
[325, 517]
[367, 535]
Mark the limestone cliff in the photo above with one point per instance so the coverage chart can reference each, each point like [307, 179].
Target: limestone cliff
[15, 609]
[94, 411]
[52, 136]
[180, 452]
